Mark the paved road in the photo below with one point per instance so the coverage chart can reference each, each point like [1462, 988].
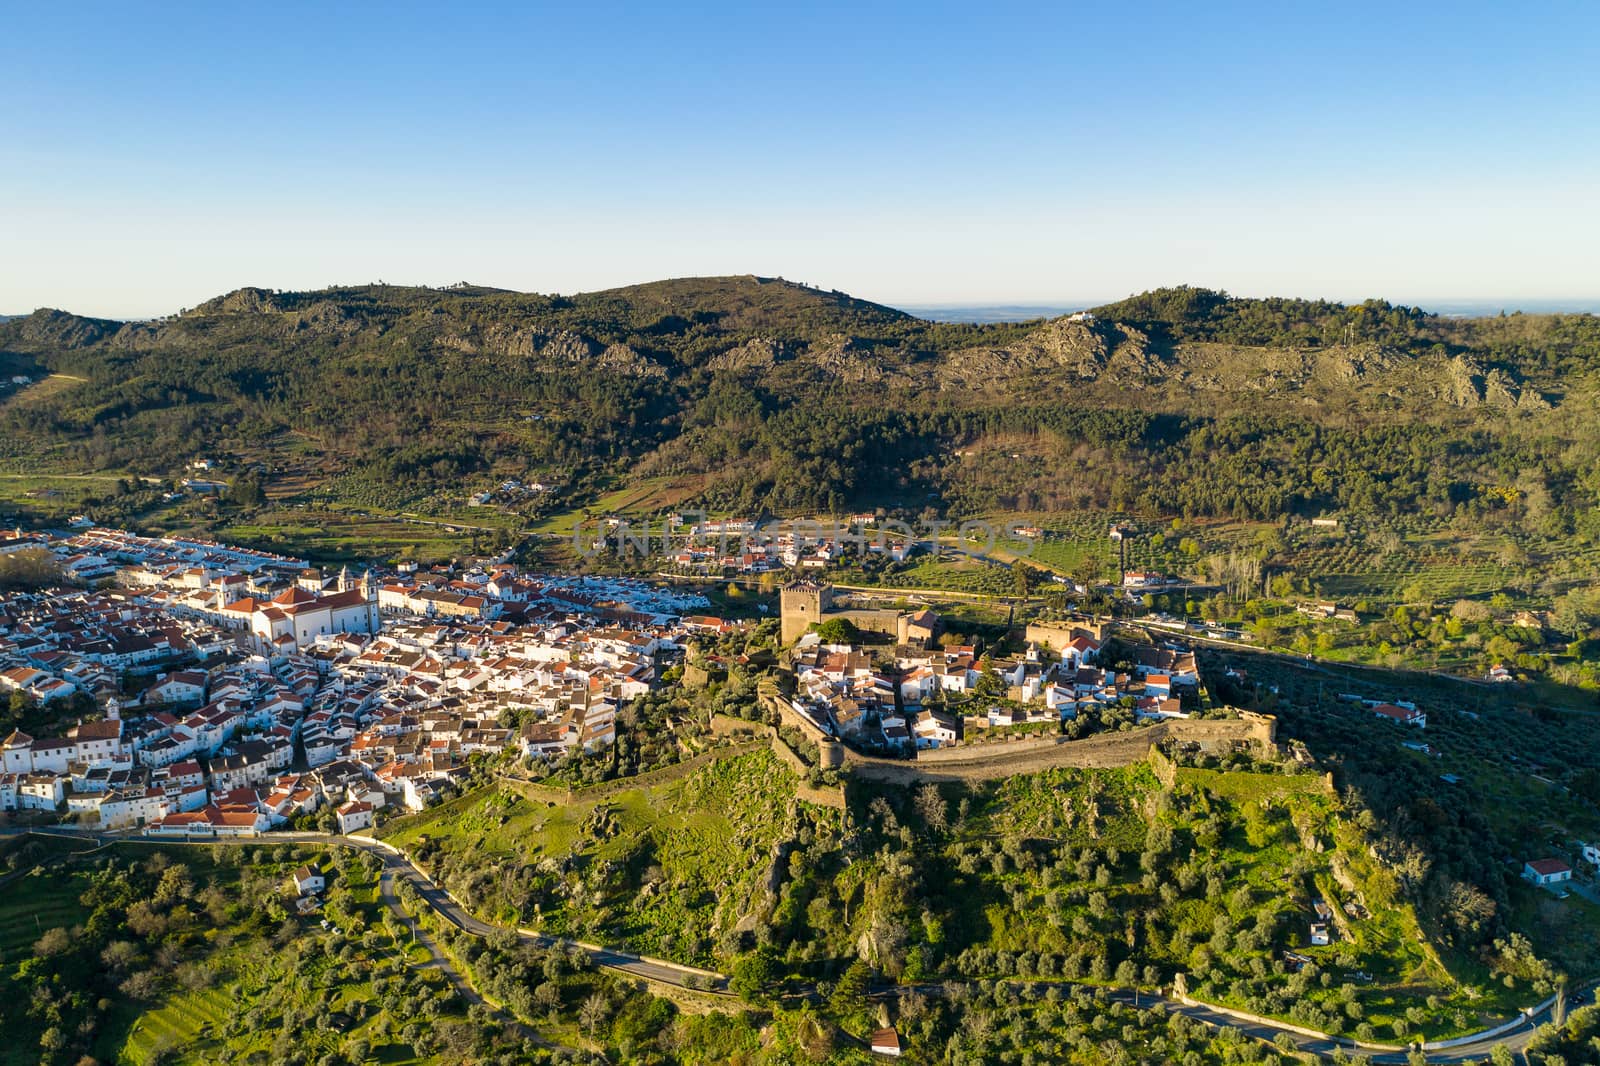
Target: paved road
[1515, 1040]
[438, 960]
[446, 905]
[396, 865]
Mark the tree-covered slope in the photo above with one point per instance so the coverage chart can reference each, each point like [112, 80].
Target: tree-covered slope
[760, 392]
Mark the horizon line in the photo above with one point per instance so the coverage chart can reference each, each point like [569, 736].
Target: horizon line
[996, 308]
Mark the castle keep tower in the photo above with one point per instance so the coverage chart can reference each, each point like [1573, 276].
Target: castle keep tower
[802, 603]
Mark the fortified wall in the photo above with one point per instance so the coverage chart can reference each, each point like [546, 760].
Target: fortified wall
[1002, 756]
[827, 796]
[1057, 635]
[802, 604]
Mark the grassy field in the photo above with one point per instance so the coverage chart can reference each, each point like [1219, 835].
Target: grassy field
[1041, 805]
[43, 389]
[665, 869]
[336, 536]
[648, 498]
[945, 574]
[51, 497]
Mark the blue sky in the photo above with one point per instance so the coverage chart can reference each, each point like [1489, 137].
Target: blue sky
[153, 155]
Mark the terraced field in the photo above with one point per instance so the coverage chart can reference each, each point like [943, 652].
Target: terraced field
[644, 499]
[1416, 575]
[1074, 537]
[188, 1020]
[33, 904]
[334, 536]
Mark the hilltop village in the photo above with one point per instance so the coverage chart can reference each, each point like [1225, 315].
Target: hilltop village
[227, 691]
[891, 695]
[201, 688]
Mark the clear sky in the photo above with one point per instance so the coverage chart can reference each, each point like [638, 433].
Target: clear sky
[154, 155]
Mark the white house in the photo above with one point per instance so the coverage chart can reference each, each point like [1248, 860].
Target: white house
[308, 881]
[1062, 699]
[42, 792]
[54, 755]
[182, 686]
[1080, 651]
[212, 820]
[16, 753]
[918, 684]
[99, 743]
[932, 730]
[1404, 715]
[354, 815]
[135, 807]
[322, 749]
[1546, 871]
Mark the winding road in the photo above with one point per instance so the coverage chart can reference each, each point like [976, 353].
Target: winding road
[396, 866]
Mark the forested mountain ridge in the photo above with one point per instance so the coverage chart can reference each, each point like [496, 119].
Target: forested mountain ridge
[781, 395]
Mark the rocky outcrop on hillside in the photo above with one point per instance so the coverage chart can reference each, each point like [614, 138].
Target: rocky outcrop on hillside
[1355, 362]
[563, 347]
[246, 301]
[846, 359]
[757, 353]
[135, 337]
[625, 360]
[1464, 382]
[524, 343]
[325, 317]
[1081, 350]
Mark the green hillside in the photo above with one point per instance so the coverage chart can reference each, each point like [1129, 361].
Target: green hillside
[676, 869]
[1098, 877]
[1458, 458]
[763, 392]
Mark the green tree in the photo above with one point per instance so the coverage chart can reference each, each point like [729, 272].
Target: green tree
[838, 631]
[595, 1009]
[753, 973]
[246, 491]
[1021, 581]
[30, 568]
[851, 991]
